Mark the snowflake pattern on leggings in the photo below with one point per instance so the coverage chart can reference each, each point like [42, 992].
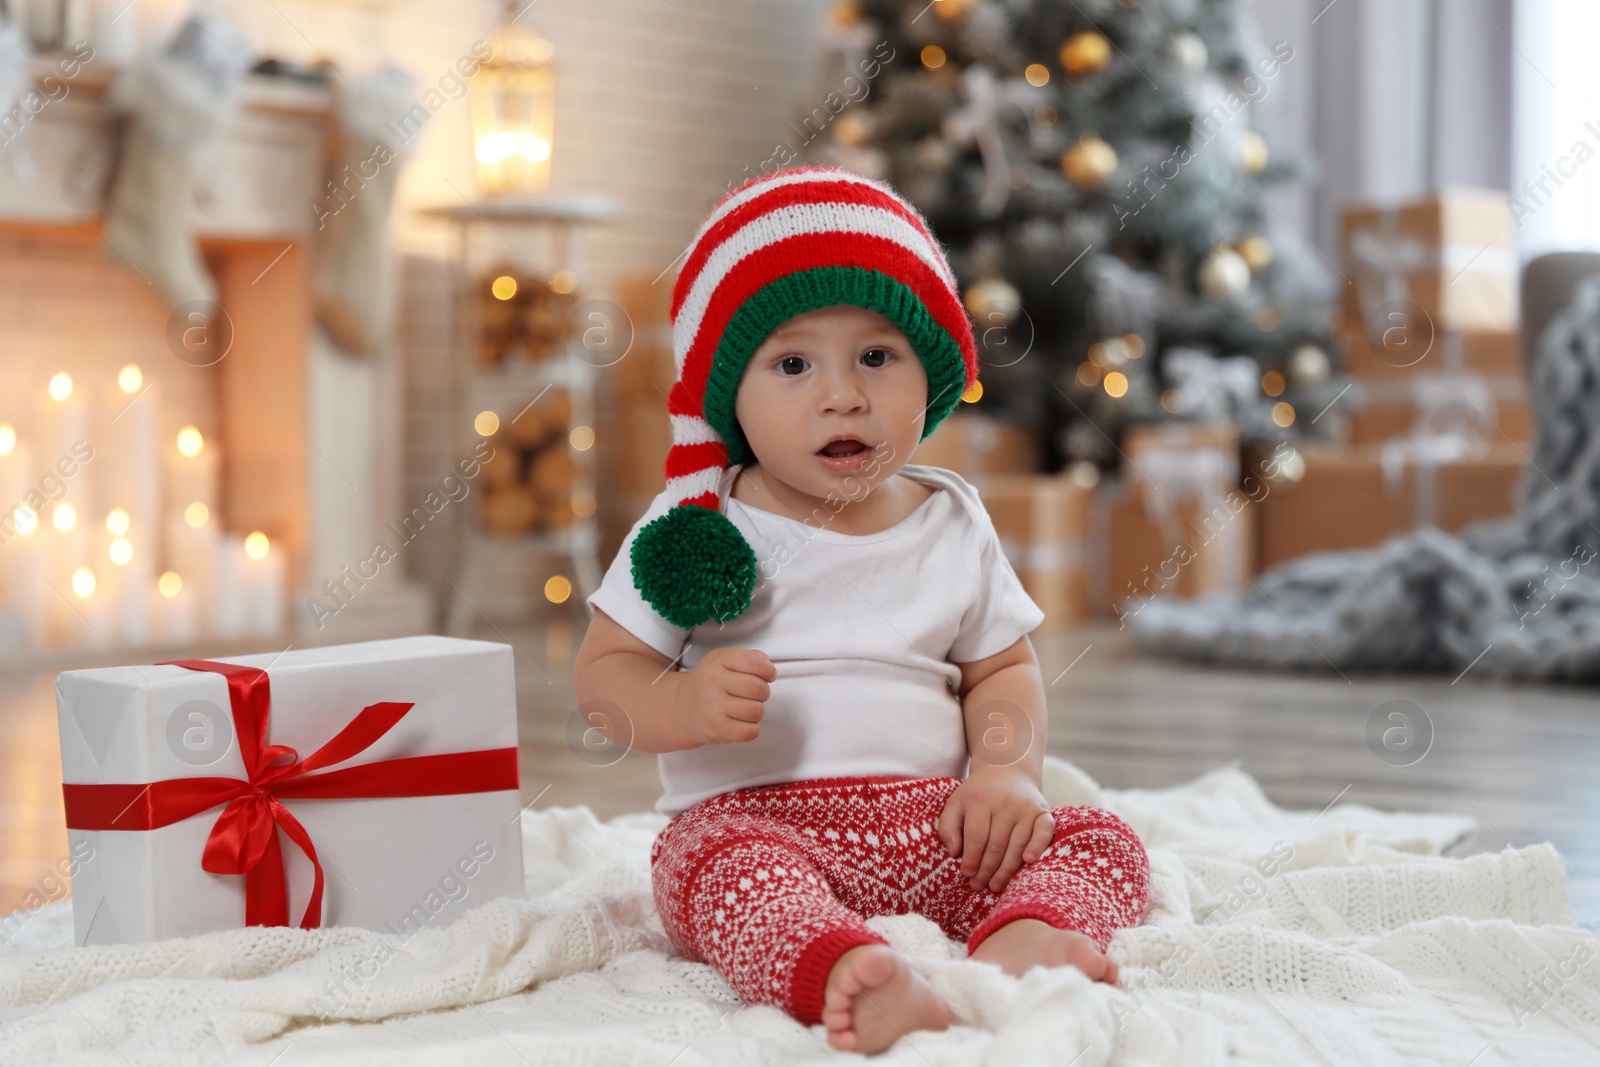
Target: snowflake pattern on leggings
[772, 884]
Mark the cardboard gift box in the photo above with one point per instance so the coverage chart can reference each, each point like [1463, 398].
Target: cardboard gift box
[1176, 522]
[1043, 524]
[1487, 353]
[1187, 548]
[369, 785]
[1491, 409]
[1170, 459]
[977, 446]
[1360, 497]
[1453, 255]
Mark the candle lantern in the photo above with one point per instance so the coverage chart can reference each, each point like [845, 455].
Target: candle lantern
[513, 111]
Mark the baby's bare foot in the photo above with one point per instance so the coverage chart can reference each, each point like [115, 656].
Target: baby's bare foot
[873, 997]
[1024, 943]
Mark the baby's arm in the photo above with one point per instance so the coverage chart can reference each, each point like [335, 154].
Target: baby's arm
[720, 700]
[998, 818]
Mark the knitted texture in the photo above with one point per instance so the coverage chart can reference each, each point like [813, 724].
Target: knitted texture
[778, 246]
[772, 884]
[1367, 946]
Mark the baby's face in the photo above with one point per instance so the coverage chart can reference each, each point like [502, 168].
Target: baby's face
[834, 371]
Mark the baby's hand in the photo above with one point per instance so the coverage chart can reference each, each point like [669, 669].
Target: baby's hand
[996, 820]
[722, 698]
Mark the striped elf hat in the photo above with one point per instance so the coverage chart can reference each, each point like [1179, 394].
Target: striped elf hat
[778, 246]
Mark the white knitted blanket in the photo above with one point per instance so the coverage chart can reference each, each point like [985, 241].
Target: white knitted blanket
[1362, 946]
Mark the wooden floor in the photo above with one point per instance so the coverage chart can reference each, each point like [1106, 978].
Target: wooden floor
[1521, 760]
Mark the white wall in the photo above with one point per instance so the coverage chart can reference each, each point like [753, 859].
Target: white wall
[651, 102]
[1556, 180]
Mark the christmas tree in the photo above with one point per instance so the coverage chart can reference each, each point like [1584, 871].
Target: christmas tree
[1096, 172]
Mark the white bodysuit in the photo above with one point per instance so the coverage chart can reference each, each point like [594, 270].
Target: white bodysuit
[865, 633]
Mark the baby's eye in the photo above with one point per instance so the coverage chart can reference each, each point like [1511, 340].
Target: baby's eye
[883, 352]
[786, 360]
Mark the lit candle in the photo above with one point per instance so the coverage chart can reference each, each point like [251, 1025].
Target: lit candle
[128, 464]
[263, 576]
[125, 578]
[191, 466]
[23, 561]
[15, 463]
[74, 573]
[193, 545]
[85, 619]
[227, 592]
[174, 619]
[16, 471]
[61, 439]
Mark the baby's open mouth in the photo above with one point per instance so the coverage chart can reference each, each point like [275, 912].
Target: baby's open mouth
[842, 448]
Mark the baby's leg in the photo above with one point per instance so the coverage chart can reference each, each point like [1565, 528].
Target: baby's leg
[740, 892]
[1093, 880]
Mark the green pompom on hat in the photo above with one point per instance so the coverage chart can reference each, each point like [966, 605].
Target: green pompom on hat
[778, 246]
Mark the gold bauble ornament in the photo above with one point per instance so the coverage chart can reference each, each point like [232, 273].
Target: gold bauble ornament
[1257, 251]
[1089, 162]
[1253, 152]
[1085, 52]
[845, 14]
[854, 127]
[950, 10]
[992, 302]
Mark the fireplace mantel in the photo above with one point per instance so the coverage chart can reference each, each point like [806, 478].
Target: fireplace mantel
[260, 182]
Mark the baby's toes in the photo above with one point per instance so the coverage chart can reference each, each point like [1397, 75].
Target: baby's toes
[1085, 955]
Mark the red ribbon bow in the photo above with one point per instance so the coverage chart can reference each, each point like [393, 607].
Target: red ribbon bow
[245, 839]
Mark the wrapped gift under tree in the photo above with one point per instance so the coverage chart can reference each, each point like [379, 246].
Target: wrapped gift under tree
[1178, 521]
[1359, 497]
[1452, 255]
[979, 446]
[1043, 523]
[1429, 320]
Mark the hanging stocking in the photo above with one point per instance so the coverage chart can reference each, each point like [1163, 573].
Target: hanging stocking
[178, 101]
[354, 277]
[16, 81]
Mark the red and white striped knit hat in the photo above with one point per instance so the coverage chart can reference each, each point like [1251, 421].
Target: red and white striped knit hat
[778, 246]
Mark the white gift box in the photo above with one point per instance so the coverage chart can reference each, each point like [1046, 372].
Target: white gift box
[391, 863]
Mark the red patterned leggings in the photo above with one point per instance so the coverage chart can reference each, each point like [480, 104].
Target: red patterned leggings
[771, 884]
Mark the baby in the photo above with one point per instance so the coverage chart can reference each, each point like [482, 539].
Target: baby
[858, 727]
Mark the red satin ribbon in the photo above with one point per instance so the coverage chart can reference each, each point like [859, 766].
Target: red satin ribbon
[244, 839]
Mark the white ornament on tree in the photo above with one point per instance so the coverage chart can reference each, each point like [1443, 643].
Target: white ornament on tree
[1224, 273]
[1308, 365]
[1187, 52]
